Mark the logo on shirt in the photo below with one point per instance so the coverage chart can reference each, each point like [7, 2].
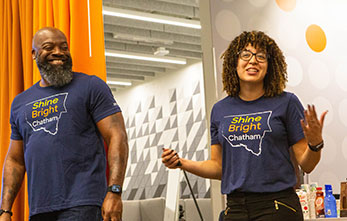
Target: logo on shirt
[44, 114]
[247, 130]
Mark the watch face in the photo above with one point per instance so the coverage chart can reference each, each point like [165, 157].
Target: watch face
[116, 189]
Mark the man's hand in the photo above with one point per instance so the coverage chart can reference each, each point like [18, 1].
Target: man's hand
[112, 207]
[5, 217]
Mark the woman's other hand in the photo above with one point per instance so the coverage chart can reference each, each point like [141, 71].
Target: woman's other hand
[170, 158]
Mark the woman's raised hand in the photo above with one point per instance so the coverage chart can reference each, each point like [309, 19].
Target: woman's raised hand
[312, 126]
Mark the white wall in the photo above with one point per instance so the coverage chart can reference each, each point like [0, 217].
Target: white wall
[316, 70]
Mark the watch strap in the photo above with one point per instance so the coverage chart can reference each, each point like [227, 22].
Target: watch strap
[317, 147]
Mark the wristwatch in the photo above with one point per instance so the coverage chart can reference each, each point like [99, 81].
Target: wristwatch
[317, 147]
[2, 211]
[115, 189]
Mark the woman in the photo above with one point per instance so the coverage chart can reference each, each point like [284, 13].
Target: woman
[252, 131]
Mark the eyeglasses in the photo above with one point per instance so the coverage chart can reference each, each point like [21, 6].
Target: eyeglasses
[261, 57]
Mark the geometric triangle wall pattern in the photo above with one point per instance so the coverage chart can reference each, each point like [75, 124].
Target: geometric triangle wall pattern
[182, 127]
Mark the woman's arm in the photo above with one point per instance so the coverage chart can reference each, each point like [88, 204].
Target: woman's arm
[312, 127]
[306, 158]
[211, 169]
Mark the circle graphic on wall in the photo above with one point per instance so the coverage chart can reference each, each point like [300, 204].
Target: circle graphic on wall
[286, 5]
[227, 24]
[294, 70]
[316, 38]
[258, 3]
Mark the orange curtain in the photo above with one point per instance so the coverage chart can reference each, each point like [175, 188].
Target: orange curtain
[82, 23]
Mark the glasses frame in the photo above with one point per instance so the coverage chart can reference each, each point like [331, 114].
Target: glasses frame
[253, 54]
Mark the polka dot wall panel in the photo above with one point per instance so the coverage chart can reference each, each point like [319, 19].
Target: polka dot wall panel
[311, 34]
[178, 123]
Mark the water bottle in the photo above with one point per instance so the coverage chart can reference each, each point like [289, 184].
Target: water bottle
[329, 203]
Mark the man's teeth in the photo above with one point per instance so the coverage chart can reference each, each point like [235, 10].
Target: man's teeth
[57, 61]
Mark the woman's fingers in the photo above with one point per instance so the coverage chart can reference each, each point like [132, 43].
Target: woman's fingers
[312, 126]
[322, 117]
[170, 158]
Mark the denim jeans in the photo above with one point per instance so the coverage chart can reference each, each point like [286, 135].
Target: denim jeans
[78, 213]
[278, 206]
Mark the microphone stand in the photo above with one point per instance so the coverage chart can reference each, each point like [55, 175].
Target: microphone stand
[191, 191]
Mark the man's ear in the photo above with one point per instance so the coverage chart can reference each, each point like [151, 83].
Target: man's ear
[33, 54]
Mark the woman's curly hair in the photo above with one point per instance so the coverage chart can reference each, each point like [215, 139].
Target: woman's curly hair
[276, 76]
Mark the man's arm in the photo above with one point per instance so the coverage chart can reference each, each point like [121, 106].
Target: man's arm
[12, 175]
[113, 131]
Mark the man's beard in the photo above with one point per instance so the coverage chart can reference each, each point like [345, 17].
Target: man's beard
[56, 75]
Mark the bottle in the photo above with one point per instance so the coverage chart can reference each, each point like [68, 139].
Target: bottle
[338, 207]
[343, 199]
[329, 202]
[302, 194]
[319, 203]
[311, 199]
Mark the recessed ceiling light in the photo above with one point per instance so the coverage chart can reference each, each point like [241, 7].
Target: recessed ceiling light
[121, 83]
[145, 57]
[151, 17]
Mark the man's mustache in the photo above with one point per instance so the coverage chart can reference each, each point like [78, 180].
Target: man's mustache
[56, 75]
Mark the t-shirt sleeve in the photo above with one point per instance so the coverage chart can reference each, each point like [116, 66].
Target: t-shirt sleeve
[15, 134]
[295, 113]
[102, 102]
[214, 127]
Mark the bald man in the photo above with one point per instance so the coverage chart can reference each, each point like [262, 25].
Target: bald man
[59, 126]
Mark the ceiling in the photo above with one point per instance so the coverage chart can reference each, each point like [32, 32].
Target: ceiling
[138, 37]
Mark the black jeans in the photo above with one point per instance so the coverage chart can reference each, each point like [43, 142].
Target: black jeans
[278, 206]
[78, 213]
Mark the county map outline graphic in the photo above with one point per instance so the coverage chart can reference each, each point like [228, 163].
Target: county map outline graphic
[45, 113]
[247, 130]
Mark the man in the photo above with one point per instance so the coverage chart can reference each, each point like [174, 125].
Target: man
[58, 129]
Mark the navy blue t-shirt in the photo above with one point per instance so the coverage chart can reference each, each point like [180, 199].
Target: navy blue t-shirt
[63, 149]
[256, 137]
